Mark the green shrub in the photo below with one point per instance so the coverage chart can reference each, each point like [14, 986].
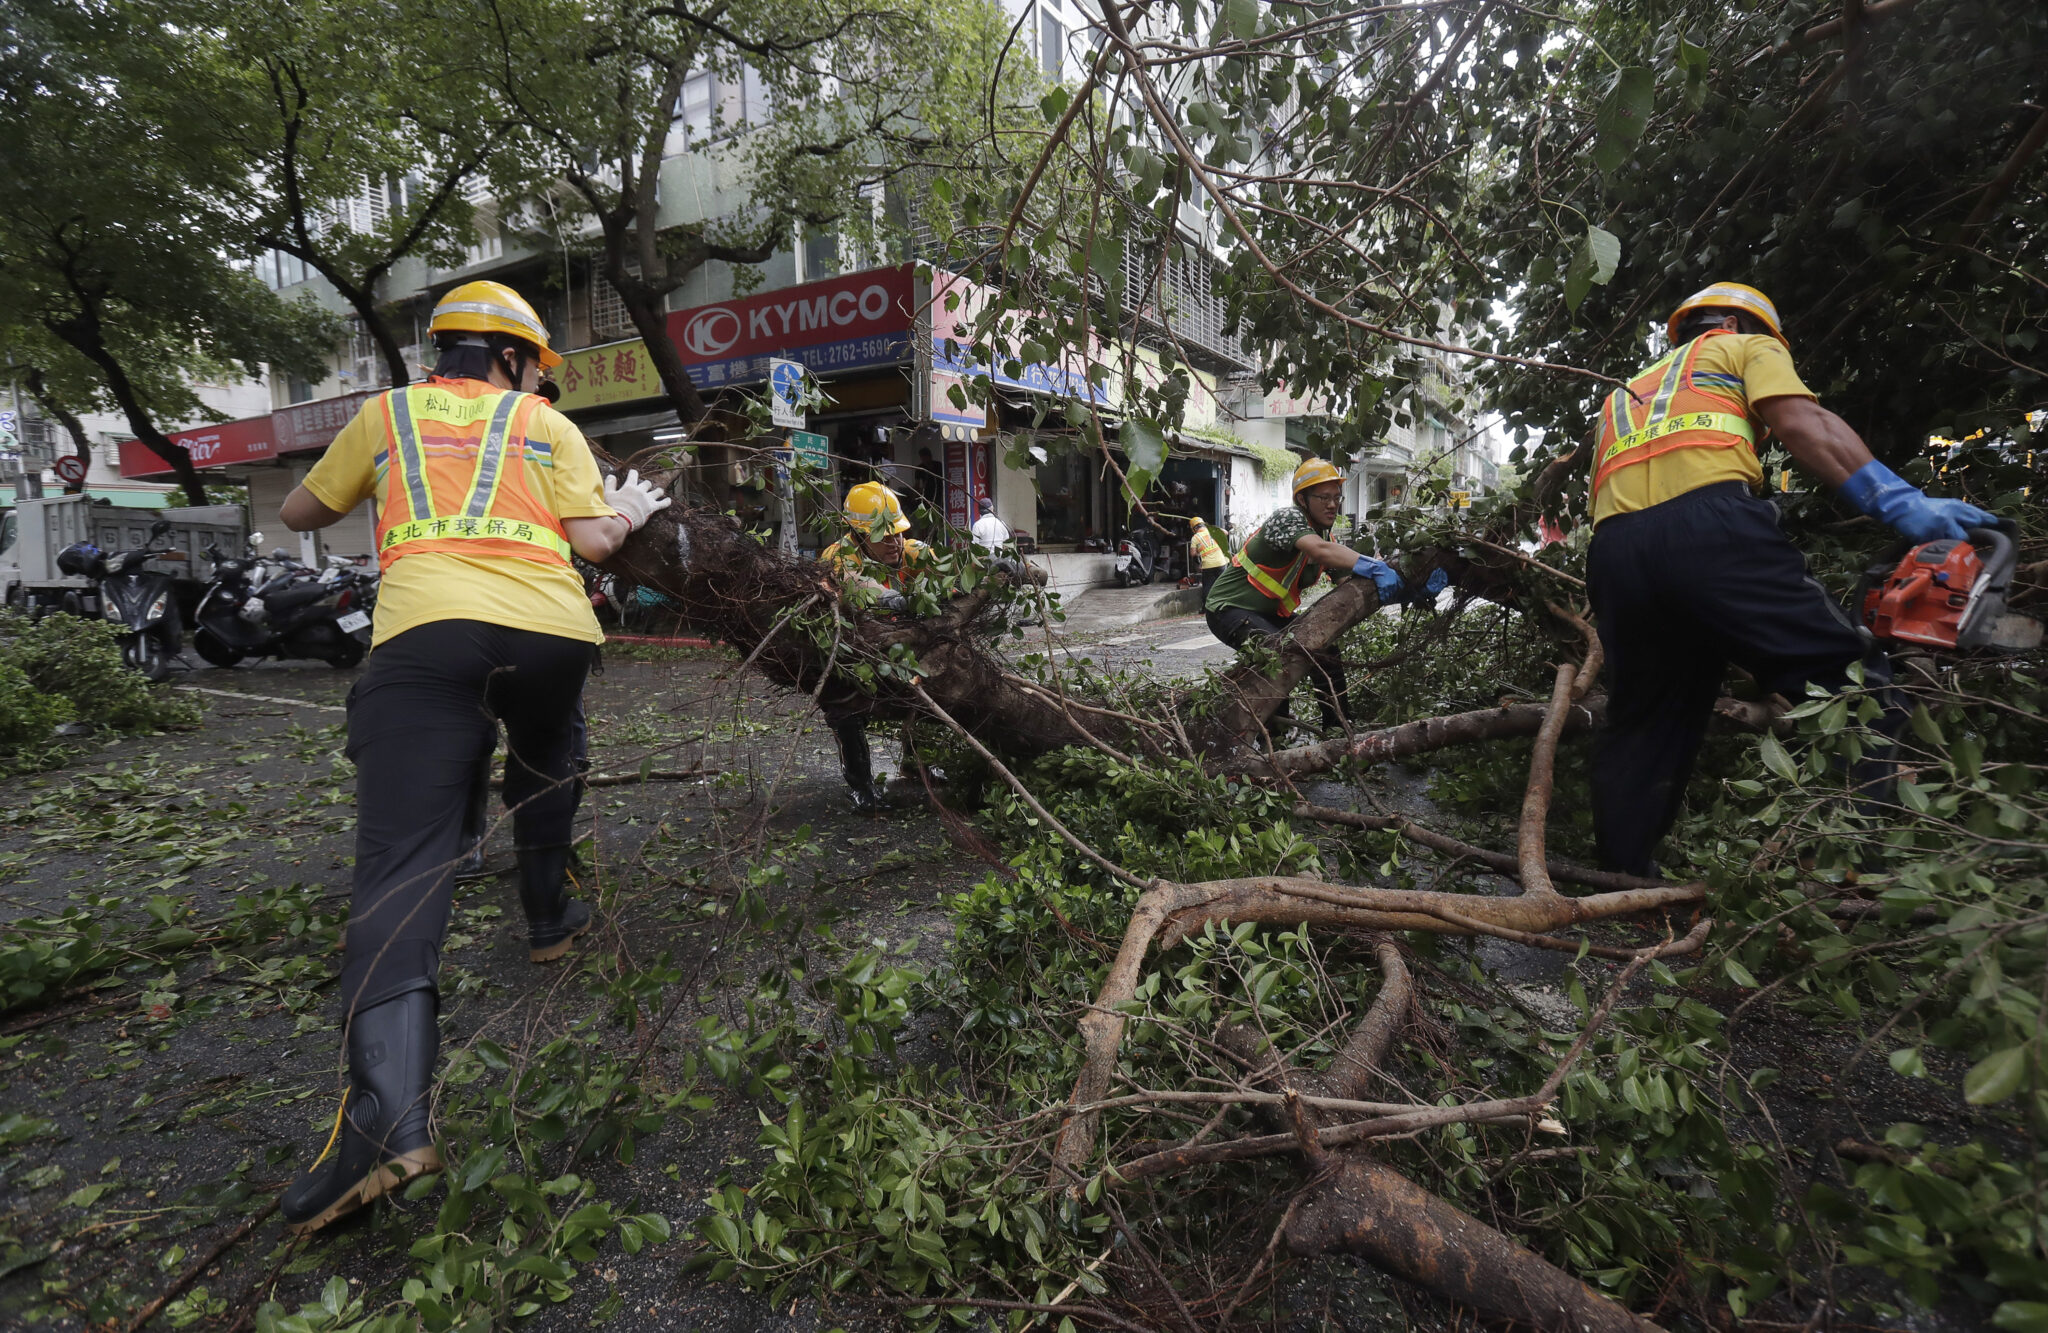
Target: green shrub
[27, 715]
[79, 661]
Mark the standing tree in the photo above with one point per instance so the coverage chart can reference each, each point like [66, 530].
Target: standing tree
[365, 138]
[800, 115]
[123, 251]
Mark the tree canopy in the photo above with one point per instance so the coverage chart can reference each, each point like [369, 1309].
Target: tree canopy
[119, 274]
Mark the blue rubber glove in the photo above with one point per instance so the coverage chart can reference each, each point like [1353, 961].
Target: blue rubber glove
[1883, 494]
[1437, 581]
[1383, 576]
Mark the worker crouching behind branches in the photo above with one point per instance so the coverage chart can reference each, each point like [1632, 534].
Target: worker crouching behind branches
[1257, 593]
[483, 490]
[872, 563]
[1688, 569]
[1205, 553]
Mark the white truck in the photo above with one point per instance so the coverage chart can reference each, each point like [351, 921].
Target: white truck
[34, 531]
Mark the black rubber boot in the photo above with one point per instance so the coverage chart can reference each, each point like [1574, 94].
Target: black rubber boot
[382, 1137]
[856, 765]
[476, 822]
[553, 918]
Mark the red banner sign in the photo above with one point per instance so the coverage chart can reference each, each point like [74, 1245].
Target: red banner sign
[289, 430]
[844, 323]
[246, 441]
[314, 425]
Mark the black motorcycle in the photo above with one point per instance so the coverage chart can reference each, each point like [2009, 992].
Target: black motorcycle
[143, 602]
[1137, 555]
[293, 612]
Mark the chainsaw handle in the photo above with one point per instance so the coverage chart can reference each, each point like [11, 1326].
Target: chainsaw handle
[1995, 548]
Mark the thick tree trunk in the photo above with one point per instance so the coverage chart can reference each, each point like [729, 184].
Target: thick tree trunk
[645, 307]
[82, 333]
[726, 584]
[39, 389]
[1376, 1213]
[362, 299]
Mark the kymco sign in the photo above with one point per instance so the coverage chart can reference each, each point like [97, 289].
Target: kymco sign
[844, 323]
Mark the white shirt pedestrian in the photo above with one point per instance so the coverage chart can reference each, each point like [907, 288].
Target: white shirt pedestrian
[988, 530]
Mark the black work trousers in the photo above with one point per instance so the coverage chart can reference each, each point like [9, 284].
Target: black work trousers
[1237, 626]
[429, 700]
[1680, 590]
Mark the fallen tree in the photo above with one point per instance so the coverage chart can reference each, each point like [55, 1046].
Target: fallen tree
[790, 624]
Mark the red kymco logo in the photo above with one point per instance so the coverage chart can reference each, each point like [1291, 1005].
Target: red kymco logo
[711, 330]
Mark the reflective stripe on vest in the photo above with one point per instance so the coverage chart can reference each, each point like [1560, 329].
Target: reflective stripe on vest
[1279, 582]
[487, 513]
[1660, 409]
[464, 528]
[1204, 548]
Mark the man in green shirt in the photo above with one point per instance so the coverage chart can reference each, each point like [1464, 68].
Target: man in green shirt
[1256, 595]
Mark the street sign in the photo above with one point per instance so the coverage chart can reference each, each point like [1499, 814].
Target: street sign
[786, 391]
[1461, 499]
[70, 469]
[7, 422]
[811, 449]
[8, 443]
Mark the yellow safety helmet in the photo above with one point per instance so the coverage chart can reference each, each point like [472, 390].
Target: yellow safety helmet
[1729, 296]
[872, 511]
[492, 307]
[1314, 472]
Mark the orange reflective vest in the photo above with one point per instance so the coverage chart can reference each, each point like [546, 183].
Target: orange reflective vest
[1661, 409]
[1202, 547]
[845, 560]
[456, 480]
[1282, 583]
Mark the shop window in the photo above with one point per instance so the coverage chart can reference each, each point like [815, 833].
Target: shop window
[820, 254]
[1066, 500]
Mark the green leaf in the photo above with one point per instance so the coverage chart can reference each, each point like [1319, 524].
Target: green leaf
[1694, 62]
[1996, 1077]
[1623, 113]
[2021, 1317]
[1593, 264]
[1772, 752]
[1906, 1060]
[1738, 974]
[1925, 727]
[1236, 19]
[1145, 445]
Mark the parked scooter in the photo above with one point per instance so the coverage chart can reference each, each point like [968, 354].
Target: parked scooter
[1136, 557]
[280, 608]
[141, 601]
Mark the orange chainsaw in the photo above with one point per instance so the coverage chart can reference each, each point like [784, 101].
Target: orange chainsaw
[1948, 594]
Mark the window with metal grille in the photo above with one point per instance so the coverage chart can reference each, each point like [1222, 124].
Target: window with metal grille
[1183, 301]
[608, 317]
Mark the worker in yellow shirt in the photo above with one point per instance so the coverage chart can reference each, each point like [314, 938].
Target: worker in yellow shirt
[483, 490]
[1688, 569]
[874, 562]
[1205, 553]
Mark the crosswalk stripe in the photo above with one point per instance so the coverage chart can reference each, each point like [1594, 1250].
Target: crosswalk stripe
[265, 699]
[1202, 640]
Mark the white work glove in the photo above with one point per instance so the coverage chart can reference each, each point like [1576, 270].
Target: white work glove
[636, 500]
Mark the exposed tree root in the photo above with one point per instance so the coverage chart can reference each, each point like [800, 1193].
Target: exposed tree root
[1376, 1213]
[1356, 1205]
[1503, 862]
[1413, 738]
[729, 585]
